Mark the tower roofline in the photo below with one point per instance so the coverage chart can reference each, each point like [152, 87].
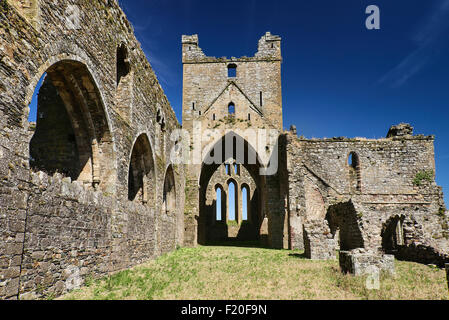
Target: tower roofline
[269, 49]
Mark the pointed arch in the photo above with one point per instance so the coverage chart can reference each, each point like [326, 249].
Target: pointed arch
[393, 234]
[141, 174]
[220, 203]
[72, 133]
[246, 202]
[225, 151]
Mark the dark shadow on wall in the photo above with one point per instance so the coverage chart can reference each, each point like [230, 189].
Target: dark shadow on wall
[53, 147]
[342, 217]
[400, 242]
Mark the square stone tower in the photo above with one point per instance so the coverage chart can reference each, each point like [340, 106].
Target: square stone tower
[248, 88]
[225, 95]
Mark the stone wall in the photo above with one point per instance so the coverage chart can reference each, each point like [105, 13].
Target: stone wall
[319, 244]
[396, 180]
[55, 232]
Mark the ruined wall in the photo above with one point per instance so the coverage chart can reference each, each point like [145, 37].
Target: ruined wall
[54, 231]
[390, 185]
[238, 228]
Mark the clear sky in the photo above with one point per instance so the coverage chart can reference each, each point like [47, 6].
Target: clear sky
[338, 78]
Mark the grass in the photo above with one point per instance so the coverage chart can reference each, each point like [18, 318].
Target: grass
[219, 272]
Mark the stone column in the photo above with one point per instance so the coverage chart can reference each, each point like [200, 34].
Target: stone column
[447, 275]
[239, 204]
[227, 204]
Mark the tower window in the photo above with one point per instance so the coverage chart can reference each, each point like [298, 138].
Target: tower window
[232, 71]
[213, 117]
[231, 109]
[260, 96]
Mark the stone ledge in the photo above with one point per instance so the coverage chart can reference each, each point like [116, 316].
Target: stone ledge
[361, 262]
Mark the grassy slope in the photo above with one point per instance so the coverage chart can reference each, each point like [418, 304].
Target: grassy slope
[255, 273]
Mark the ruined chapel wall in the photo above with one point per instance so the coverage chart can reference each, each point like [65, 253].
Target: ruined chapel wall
[388, 170]
[45, 233]
[387, 166]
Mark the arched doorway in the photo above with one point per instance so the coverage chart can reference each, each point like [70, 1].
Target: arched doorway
[69, 130]
[344, 226]
[241, 180]
[169, 195]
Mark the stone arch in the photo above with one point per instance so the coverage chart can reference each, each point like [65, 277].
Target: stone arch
[231, 109]
[70, 94]
[142, 175]
[392, 234]
[169, 191]
[232, 70]
[123, 67]
[355, 174]
[215, 156]
[235, 203]
[343, 221]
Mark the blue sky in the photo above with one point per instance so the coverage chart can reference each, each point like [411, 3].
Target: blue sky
[338, 78]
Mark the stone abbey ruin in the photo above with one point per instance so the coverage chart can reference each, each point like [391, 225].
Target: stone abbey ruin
[91, 188]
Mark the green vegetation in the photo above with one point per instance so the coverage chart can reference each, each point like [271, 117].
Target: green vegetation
[219, 272]
[442, 212]
[425, 175]
[230, 119]
[4, 7]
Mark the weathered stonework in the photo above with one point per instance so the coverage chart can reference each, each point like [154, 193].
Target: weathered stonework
[66, 212]
[379, 195]
[319, 243]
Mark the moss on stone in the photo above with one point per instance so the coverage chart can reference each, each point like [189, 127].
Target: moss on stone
[423, 176]
[4, 6]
